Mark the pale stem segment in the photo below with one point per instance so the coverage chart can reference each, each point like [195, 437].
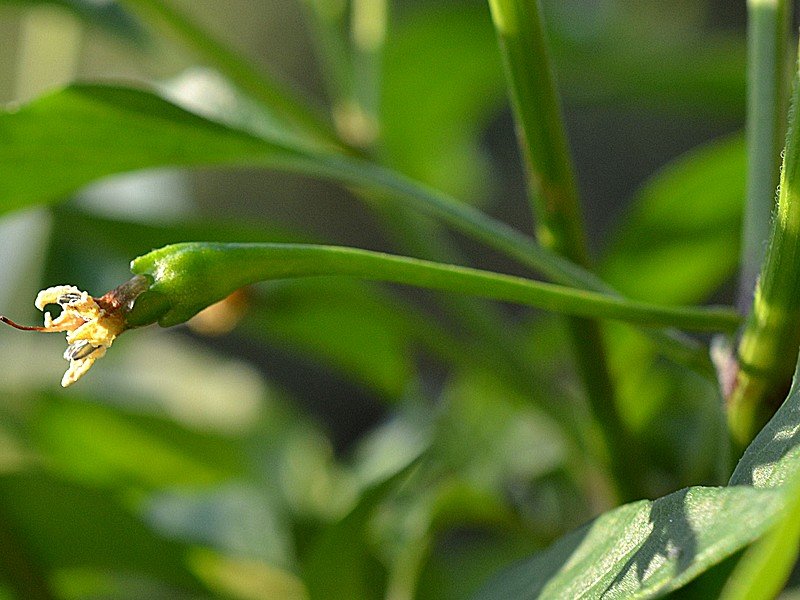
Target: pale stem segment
[553, 196]
[769, 346]
[767, 94]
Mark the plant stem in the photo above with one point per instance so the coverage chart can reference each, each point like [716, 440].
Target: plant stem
[369, 22]
[552, 190]
[767, 35]
[485, 229]
[769, 345]
[241, 72]
[553, 195]
[194, 275]
[328, 21]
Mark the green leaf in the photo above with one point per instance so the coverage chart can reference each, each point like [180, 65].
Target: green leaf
[108, 15]
[643, 549]
[67, 526]
[63, 141]
[430, 126]
[679, 241]
[646, 549]
[98, 445]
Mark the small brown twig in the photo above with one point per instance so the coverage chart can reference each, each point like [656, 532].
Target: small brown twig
[8, 321]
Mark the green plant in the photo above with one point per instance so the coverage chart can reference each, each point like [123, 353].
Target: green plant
[518, 446]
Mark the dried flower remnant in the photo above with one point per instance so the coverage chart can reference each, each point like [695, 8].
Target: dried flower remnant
[91, 324]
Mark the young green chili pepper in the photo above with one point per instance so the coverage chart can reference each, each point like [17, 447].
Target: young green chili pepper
[185, 278]
[174, 283]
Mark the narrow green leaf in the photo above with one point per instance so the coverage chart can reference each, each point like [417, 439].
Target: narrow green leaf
[67, 139]
[188, 277]
[70, 138]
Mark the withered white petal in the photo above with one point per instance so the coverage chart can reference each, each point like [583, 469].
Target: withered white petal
[90, 329]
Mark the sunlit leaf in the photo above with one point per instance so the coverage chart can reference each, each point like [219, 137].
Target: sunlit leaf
[643, 549]
[646, 549]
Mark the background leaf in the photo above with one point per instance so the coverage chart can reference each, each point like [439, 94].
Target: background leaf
[680, 239]
[60, 142]
[108, 15]
[645, 549]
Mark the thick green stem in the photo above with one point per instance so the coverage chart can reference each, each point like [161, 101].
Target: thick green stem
[542, 140]
[769, 345]
[190, 276]
[241, 72]
[768, 33]
[554, 197]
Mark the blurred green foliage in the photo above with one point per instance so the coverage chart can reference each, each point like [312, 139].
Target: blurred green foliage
[194, 466]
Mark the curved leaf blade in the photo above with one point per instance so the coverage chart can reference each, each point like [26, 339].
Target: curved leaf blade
[62, 141]
[643, 549]
[647, 549]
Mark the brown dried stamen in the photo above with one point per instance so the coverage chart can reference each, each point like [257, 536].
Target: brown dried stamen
[8, 321]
